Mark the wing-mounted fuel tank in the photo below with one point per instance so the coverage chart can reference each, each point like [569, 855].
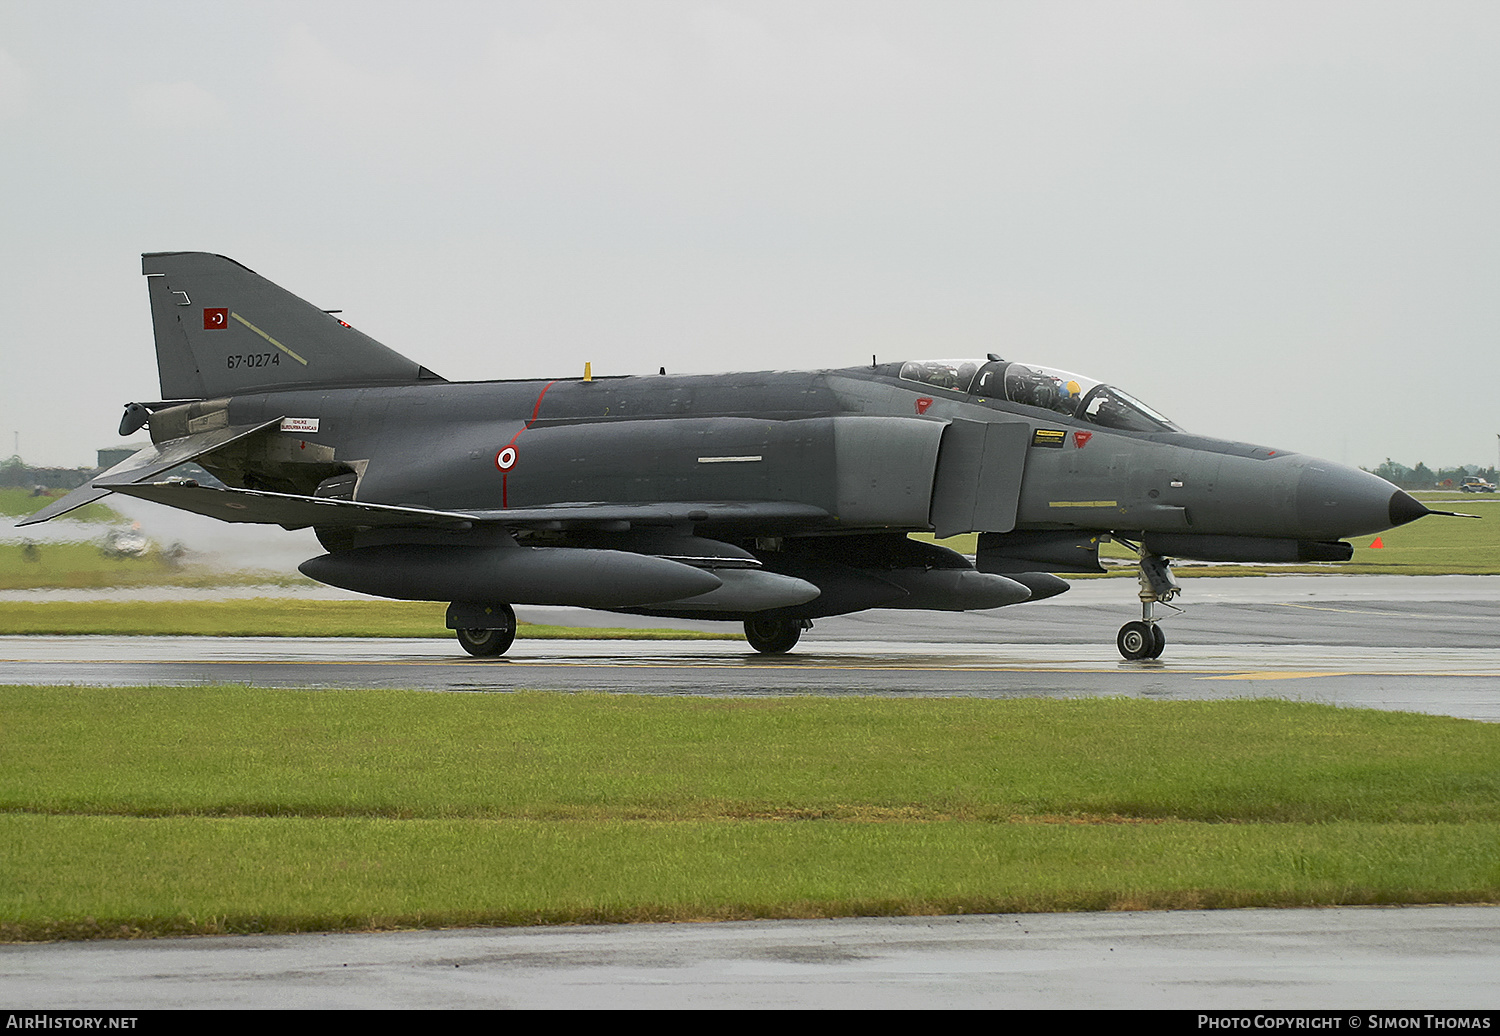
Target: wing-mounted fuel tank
[746, 587]
[1030, 558]
[586, 567]
[884, 570]
[519, 575]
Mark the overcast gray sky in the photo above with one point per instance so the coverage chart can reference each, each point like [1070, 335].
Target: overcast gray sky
[1272, 221]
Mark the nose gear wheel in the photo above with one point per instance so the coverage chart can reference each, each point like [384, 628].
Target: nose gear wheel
[1138, 640]
[1145, 639]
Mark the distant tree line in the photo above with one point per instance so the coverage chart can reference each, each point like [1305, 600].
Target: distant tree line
[1423, 477]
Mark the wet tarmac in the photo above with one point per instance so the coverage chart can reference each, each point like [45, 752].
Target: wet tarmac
[1461, 682]
[1408, 958]
[1419, 644]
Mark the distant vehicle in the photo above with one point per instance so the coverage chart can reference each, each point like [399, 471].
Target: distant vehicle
[125, 543]
[1475, 484]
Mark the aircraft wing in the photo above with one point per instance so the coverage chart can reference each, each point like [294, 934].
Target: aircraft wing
[147, 463]
[295, 512]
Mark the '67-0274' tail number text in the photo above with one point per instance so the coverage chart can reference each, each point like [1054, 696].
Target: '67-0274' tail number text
[237, 361]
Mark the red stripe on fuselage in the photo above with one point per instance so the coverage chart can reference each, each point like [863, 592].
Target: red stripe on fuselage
[505, 475]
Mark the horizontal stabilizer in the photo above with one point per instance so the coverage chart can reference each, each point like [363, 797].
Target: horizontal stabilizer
[148, 463]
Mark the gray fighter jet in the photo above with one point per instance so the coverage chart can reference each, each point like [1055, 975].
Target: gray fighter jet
[772, 498]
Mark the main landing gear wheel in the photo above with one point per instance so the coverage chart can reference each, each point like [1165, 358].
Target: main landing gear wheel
[1139, 640]
[490, 640]
[486, 643]
[774, 636]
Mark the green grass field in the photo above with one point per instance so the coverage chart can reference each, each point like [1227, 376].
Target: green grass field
[81, 566]
[231, 809]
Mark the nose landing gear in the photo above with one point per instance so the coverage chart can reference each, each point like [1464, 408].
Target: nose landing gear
[1145, 639]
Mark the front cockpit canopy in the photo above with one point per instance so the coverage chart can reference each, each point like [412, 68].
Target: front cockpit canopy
[1041, 387]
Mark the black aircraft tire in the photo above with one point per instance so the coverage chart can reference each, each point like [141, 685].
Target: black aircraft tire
[773, 636]
[489, 643]
[1136, 640]
[1158, 641]
[486, 643]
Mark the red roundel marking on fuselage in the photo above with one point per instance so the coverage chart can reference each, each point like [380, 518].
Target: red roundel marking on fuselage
[506, 458]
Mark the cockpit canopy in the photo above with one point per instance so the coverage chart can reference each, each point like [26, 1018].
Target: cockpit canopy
[1041, 387]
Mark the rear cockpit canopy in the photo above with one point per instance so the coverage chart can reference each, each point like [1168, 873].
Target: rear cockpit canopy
[1042, 387]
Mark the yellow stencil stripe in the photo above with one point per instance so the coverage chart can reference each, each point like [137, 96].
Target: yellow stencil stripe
[269, 339]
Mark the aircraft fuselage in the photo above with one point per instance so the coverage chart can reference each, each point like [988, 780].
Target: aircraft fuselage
[859, 445]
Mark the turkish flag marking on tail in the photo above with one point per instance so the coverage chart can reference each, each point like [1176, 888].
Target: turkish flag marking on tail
[215, 319]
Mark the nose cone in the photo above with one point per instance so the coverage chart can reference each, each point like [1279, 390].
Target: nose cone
[1406, 508]
[1334, 502]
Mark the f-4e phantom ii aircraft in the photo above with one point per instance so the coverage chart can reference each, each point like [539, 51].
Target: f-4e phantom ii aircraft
[771, 498]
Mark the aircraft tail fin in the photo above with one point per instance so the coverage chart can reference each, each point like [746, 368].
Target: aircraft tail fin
[222, 330]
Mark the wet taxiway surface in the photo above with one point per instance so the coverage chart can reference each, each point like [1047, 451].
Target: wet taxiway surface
[1449, 681]
[1368, 958]
[1419, 644]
